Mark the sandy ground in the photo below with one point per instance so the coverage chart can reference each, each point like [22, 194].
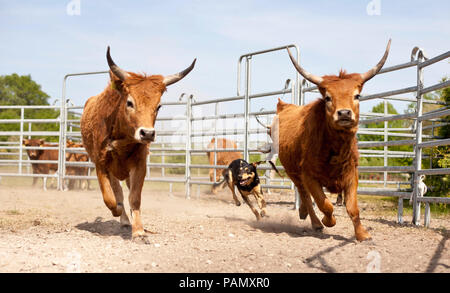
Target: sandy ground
[73, 231]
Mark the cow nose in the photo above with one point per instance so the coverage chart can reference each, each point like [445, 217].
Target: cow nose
[147, 134]
[345, 113]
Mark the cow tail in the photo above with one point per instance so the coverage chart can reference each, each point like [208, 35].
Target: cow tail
[275, 168]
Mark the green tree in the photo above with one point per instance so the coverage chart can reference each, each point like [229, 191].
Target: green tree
[22, 90]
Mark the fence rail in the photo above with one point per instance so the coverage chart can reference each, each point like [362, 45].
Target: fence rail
[186, 143]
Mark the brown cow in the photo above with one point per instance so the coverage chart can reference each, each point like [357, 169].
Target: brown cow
[77, 170]
[45, 155]
[317, 144]
[117, 127]
[222, 158]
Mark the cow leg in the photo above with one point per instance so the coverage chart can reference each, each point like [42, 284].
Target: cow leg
[211, 179]
[118, 193]
[351, 203]
[339, 199]
[35, 179]
[260, 200]
[306, 205]
[248, 202]
[137, 176]
[323, 203]
[108, 193]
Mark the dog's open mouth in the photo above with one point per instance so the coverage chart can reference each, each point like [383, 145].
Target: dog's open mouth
[244, 181]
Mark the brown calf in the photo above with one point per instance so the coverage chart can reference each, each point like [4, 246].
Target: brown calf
[117, 127]
[222, 158]
[77, 170]
[44, 155]
[317, 144]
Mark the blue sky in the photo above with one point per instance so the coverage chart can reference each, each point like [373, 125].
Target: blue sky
[163, 37]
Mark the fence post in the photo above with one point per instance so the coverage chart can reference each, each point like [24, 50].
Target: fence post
[216, 112]
[61, 134]
[246, 106]
[22, 117]
[188, 146]
[385, 148]
[426, 220]
[418, 150]
[400, 210]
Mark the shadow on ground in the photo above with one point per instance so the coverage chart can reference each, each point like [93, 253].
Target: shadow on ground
[106, 228]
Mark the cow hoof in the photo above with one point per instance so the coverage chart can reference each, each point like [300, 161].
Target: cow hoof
[318, 228]
[124, 221]
[303, 215]
[363, 235]
[141, 239]
[329, 221]
[263, 213]
[238, 203]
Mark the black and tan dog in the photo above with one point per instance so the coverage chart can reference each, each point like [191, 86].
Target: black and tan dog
[245, 177]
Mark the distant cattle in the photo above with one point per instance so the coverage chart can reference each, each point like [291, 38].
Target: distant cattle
[42, 155]
[77, 170]
[318, 147]
[117, 127]
[222, 158]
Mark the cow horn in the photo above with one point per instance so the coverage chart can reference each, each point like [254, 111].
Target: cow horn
[120, 73]
[170, 79]
[372, 72]
[311, 77]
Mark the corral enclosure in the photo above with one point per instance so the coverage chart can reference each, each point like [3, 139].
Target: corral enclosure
[177, 168]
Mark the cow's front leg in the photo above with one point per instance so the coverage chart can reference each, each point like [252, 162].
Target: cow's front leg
[35, 179]
[108, 194]
[351, 203]
[137, 176]
[306, 205]
[323, 203]
[118, 193]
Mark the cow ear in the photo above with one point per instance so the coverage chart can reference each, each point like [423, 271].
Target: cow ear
[116, 83]
[41, 141]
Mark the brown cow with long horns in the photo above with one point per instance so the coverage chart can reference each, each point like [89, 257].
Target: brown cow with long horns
[117, 127]
[317, 144]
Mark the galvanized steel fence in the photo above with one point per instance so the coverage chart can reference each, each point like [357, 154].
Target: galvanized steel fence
[181, 145]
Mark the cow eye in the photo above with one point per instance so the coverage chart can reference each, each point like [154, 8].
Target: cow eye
[130, 104]
[357, 97]
[327, 99]
[159, 107]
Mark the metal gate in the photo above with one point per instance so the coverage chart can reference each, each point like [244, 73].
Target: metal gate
[183, 138]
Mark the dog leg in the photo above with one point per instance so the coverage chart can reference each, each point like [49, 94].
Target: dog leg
[247, 201]
[257, 192]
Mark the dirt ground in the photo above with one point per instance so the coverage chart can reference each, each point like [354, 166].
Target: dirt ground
[73, 231]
